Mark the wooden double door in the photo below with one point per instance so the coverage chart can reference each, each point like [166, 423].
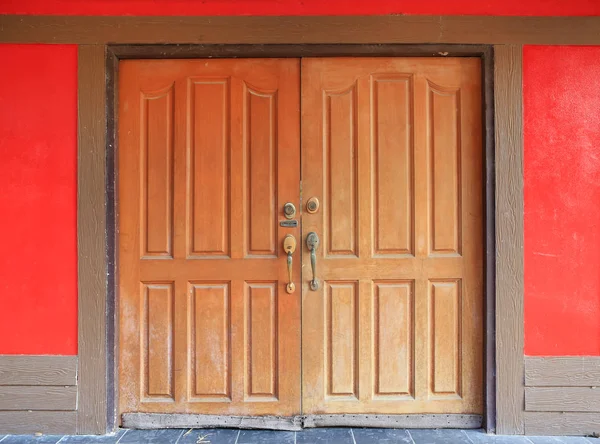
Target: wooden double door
[381, 161]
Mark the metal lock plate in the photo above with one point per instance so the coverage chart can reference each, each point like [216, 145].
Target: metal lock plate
[289, 210]
[312, 206]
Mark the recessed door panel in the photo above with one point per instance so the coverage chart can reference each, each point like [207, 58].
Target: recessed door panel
[209, 150]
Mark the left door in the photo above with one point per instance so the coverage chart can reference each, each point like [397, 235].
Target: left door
[208, 156]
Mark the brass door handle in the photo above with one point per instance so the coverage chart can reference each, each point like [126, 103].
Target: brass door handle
[312, 242]
[289, 246]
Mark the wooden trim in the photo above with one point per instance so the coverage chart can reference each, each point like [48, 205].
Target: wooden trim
[192, 421]
[112, 320]
[562, 399]
[295, 51]
[562, 371]
[91, 30]
[490, 242]
[543, 423]
[91, 241]
[177, 420]
[38, 397]
[38, 370]
[29, 422]
[116, 52]
[508, 94]
[431, 421]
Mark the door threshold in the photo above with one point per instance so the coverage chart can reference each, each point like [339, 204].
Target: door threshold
[299, 422]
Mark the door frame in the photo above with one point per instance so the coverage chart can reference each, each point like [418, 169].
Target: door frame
[502, 169]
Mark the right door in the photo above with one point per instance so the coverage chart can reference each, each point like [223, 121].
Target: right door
[392, 150]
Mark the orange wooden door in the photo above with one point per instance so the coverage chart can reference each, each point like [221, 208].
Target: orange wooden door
[209, 153]
[392, 149]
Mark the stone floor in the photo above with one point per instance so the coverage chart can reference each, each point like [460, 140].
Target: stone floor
[308, 436]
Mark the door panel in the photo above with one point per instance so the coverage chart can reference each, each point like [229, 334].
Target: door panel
[208, 155]
[392, 148]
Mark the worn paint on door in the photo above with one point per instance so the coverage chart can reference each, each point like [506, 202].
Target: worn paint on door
[392, 148]
[209, 152]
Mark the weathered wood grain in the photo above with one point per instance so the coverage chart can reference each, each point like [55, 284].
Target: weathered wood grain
[395, 421]
[562, 371]
[38, 397]
[29, 422]
[543, 423]
[91, 240]
[562, 399]
[509, 238]
[160, 420]
[490, 243]
[178, 421]
[38, 370]
[92, 30]
[184, 51]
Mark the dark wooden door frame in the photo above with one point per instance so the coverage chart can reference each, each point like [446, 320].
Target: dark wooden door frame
[97, 217]
[117, 52]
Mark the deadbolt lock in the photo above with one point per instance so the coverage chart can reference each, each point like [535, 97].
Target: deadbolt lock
[312, 206]
[289, 210]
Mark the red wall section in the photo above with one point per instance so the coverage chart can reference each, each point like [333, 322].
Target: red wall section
[562, 200]
[300, 7]
[38, 150]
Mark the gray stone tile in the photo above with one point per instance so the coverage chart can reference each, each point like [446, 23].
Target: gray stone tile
[543, 440]
[575, 440]
[160, 436]
[30, 439]
[111, 438]
[324, 436]
[383, 436]
[208, 436]
[480, 437]
[438, 436]
[265, 437]
[560, 440]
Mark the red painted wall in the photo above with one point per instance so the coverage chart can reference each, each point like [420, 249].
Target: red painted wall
[38, 186]
[38, 281]
[562, 200]
[300, 7]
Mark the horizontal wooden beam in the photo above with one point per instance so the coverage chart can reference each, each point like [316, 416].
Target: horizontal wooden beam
[562, 399]
[29, 422]
[38, 370]
[544, 423]
[562, 371]
[38, 397]
[324, 29]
